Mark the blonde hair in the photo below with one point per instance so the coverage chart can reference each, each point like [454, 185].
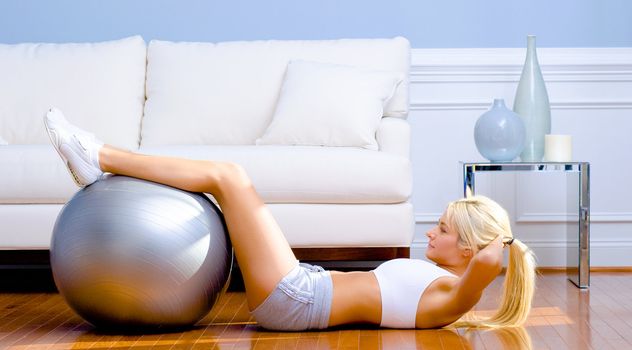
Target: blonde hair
[479, 220]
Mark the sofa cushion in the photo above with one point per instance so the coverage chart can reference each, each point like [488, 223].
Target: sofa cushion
[99, 86]
[346, 225]
[304, 174]
[281, 174]
[33, 174]
[323, 104]
[226, 93]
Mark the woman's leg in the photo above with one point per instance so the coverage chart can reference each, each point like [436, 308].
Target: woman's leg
[189, 175]
[262, 251]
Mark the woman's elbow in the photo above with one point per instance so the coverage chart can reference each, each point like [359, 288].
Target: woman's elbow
[489, 262]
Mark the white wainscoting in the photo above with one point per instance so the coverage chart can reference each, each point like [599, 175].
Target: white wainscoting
[590, 91]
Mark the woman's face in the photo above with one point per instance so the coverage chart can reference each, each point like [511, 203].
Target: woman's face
[443, 245]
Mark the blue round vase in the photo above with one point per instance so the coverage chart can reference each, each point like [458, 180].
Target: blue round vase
[499, 133]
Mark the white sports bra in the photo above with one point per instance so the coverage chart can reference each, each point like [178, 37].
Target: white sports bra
[402, 282]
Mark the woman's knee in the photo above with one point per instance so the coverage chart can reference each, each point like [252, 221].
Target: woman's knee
[234, 174]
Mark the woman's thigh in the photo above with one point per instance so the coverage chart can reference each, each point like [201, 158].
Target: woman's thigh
[262, 251]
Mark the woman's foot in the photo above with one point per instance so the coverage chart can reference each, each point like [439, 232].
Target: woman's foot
[78, 148]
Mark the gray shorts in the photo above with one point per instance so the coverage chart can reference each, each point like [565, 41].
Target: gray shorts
[301, 301]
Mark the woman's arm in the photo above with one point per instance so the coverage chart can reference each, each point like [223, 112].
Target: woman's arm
[459, 297]
[481, 271]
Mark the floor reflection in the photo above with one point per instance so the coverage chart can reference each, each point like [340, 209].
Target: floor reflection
[502, 338]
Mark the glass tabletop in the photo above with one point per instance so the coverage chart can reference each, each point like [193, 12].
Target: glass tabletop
[525, 166]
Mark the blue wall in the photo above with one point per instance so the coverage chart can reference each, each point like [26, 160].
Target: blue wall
[427, 24]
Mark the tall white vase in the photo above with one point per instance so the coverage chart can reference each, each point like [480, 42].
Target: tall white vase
[532, 104]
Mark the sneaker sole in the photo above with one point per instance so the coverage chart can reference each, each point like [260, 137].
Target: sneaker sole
[53, 140]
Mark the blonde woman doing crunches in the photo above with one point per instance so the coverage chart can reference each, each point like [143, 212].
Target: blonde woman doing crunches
[465, 247]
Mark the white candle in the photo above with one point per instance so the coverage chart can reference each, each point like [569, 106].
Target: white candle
[558, 148]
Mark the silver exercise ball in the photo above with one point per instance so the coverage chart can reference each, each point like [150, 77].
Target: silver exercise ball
[132, 253]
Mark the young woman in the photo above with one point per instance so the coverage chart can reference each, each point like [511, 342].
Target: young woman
[283, 294]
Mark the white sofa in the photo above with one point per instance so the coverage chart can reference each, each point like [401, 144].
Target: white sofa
[206, 101]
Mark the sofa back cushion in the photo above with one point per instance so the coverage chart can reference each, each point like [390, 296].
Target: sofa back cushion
[226, 93]
[98, 86]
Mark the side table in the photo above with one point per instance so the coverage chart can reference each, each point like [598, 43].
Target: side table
[578, 251]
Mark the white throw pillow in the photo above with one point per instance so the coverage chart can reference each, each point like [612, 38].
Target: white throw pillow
[323, 104]
[3, 142]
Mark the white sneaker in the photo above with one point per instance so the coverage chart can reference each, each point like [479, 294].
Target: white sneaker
[79, 149]
[55, 116]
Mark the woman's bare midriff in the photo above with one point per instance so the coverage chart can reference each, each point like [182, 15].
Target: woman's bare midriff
[357, 299]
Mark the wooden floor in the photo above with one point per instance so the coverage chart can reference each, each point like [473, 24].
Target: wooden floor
[563, 317]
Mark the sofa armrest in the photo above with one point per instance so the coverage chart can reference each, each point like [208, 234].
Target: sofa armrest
[393, 136]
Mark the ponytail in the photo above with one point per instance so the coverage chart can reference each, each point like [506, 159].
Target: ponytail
[518, 290]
